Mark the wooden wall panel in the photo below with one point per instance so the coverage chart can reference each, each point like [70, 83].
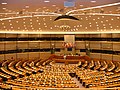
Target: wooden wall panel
[95, 45]
[107, 56]
[80, 45]
[2, 57]
[44, 45]
[33, 45]
[10, 45]
[116, 46]
[95, 55]
[34, 55]
[116, 57]
[22, 45]
[1, 46]
[22, 55]
[10, 56]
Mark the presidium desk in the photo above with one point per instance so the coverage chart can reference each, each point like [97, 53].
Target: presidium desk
[69, 59]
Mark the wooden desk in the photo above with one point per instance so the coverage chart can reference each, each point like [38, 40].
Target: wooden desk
[70, 57]
[66, 61]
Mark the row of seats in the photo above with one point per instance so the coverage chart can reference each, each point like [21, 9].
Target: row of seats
[55, 76]
[14, 69]
[37, 73]
[101, 65]
[99, 74]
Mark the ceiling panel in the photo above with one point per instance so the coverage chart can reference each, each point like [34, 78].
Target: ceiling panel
[37, 16]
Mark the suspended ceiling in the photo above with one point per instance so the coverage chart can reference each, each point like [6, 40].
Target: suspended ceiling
[37, 16]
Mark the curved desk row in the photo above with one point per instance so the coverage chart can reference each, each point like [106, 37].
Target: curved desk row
[66, 61]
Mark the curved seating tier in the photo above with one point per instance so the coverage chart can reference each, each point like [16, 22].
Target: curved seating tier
[55, 76]
[38, 73]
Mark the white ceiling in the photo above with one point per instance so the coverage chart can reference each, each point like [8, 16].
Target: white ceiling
[37, 16]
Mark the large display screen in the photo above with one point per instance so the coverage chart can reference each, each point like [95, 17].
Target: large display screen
[69, 4]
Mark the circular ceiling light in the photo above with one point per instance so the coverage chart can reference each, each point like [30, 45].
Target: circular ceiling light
[66, 22]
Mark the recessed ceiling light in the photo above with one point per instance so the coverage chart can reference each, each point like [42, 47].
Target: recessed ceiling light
[37, 20]
[46, 1]
[4, 8]
[112, 19]
[9, 20]
[80, 25]
[118, 17]
[106, 20]
[81, 5]
[103, 24]
[93, 1]
[53, 5]
[102, 16]
[26, 6]
[89, 16]
[97, 27]
[3, 3]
